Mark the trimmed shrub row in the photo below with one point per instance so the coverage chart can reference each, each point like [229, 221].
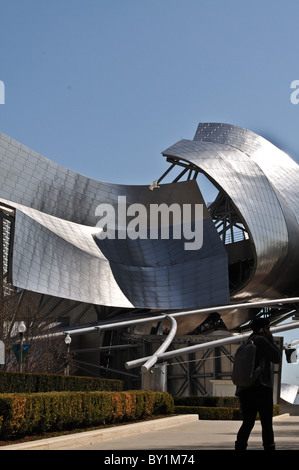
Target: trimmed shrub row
[16, 382]
[206, 412]
[230, 402]
[212, 407]
[29, 414]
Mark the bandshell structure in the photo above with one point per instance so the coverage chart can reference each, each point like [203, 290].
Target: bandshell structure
[57, 251]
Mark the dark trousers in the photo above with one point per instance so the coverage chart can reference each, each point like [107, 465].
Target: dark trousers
[253, 400]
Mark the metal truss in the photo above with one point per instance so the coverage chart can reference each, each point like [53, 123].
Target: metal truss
[7, 219]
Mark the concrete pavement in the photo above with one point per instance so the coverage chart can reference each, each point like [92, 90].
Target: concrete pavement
[182, 432]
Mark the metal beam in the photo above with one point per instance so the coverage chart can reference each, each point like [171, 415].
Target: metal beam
[219, 308]
[153, 359]
[210, 344]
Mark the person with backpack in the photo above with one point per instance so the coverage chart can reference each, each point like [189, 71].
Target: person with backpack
[258, 397]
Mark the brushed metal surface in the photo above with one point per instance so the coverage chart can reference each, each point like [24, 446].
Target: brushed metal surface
[56, 250]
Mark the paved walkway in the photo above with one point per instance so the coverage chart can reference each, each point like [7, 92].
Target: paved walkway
[178, 433]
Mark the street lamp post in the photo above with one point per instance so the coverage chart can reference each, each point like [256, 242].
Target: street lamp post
[21, 329]
[68, 341]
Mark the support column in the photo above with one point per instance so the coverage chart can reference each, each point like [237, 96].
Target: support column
[155, 379]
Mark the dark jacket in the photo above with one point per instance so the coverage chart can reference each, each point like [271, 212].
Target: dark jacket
[267, 354]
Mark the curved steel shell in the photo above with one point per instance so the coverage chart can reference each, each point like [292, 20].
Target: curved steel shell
[261, 181]
[56, 250]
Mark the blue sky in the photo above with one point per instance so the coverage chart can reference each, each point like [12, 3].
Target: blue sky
[104, 86]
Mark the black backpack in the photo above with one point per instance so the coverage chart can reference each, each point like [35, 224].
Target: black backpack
[245, 374]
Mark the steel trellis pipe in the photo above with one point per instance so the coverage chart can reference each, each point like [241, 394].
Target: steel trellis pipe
[153, 359]
[210, 344]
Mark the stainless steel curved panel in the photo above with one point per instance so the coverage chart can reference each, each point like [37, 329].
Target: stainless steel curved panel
[281, 170]
[61, 258]
[269, 218]
[56, 251]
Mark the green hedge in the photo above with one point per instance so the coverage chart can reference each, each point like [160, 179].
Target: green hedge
[29, 414]
[16, 382]
[230, 402]
[217, 412]
[206, 412]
